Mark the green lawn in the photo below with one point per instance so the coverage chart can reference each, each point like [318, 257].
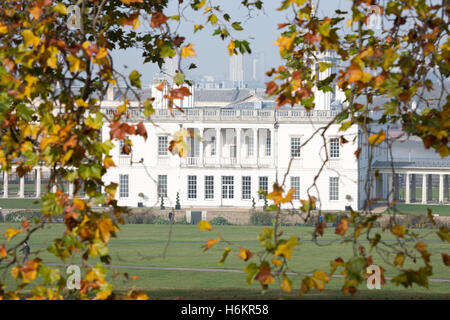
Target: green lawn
[142, 245]
[27, 203]
[442, 210]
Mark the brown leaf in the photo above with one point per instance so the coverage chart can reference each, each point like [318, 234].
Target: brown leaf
[140, 129]
[271, 87]
[158, 19]
[446, 259]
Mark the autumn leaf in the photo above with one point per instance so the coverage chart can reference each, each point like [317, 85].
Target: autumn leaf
[224, 256]
[286, 285]
[188, 51]
[231, 47]
[320, 278]
[158, 19]
[160, 86]
[3, 252]
[399, 259]
[245, 254]
[25, 224]
[399, 230]
[342, 226]
[264, 276]
[285, 249]
[377, 138]
[205, 225]
[11, 233]
[445, 259]
[140, 130]
[211, 242]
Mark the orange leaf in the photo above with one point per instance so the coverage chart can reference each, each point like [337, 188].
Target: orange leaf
[210, 243]
[245, 254]
[25, 224]
[204, 225]
[3, 252]
[158, 19]
[342, 227]
[264, 276]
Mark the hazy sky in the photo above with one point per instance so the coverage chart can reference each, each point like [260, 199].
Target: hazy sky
[212, 55]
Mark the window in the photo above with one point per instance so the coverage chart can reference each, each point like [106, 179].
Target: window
[122, 144]
[213, 146]
[295, 147]
[227, 187]
[123, 185]
[250, 146]
[246, 187]
[268, 144]
[334, 148]
[209, 187]
[192, 187]
[162, 186]
[334, 188]
[162, 145]
[263, 185]
[295, 184]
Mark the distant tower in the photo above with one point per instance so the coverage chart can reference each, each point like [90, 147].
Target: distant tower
[258, 67]
[236, 72]
[170, 67]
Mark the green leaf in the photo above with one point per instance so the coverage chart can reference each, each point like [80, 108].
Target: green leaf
[50, 205]
[135, 79]
[237, 26]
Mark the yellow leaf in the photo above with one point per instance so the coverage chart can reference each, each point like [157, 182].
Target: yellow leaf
[285, 43]
[286, 285]
[81, 103]
[399, 230]
[285, 249]
[320, 277]
[245, 254]
[3, 28]
[204, 225]
[74, 62]
[11, 233]
[399, 259]
[210, 243]
[188, 51]
[30, 39]
[60, 8]
[278, 263]
[377, 138]
[231, 47]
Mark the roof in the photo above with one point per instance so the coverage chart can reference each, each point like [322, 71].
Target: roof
[417, 164]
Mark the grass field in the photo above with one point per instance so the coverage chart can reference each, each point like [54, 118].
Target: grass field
[442, 210]
[142, 246]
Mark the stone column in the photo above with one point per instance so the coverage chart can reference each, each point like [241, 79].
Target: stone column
[71, 188]
[255, 143]
[272, 141]
[413, 188]
[396, 186]
[218, 144]
[38, 183]
[5, 185]
[424, 188]
[407, 189]
[202, 146]
[446, 188]
[21, 187]
[441, 188]
[430, 187]
[238, 146]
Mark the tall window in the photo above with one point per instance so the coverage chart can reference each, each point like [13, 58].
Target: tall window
[263, 185]
[162, 186]
[250, 146]
[295, 147]
[227, 187]
[162, 145]
[209, 187]
[268, 144]
[246, 187]
[192, 187]
[123, 185]
[213, 146]
[295, 184]
[334, 148]
[334, 188]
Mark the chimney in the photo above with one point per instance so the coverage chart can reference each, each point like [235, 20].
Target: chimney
[110, 93]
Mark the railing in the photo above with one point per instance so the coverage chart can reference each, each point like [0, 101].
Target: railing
[211, 161]
[191, 161]
[248, 162]
[221, 114]
[265, 162]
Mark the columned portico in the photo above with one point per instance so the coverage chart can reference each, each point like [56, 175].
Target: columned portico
[411, 170]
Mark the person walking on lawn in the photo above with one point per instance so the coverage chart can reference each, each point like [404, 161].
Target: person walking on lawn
[26, 251]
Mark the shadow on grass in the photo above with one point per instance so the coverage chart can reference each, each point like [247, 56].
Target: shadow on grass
[252, 294]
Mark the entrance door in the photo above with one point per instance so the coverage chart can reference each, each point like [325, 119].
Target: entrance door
[196, 217]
